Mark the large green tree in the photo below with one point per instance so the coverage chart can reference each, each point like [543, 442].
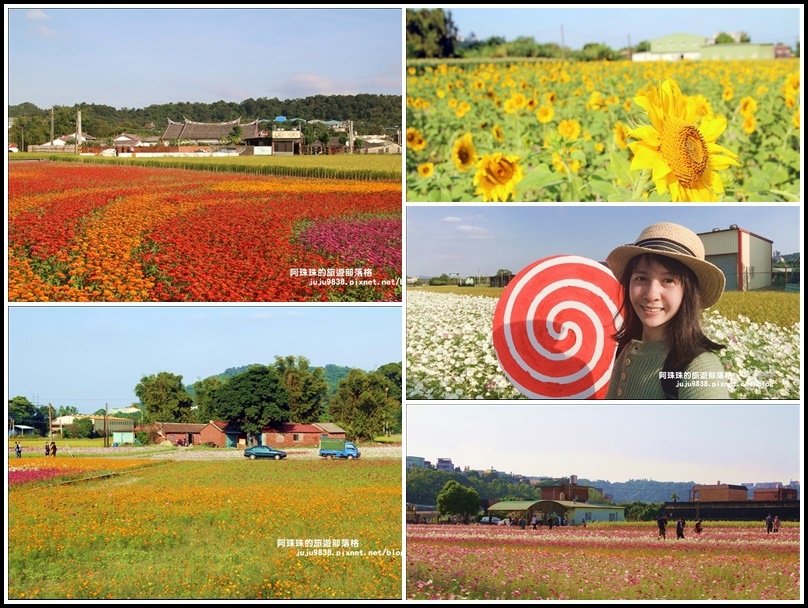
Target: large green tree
[363, 406]
[430, 33]
[165, 398]
[256, 398]
[455, 499]
[306, 387]
[22, 411]
[204, 391]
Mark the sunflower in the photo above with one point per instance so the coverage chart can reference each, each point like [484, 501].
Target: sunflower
[748, 106]
[497, 176]
[620, 135]
[679, 146]
[749, 123]
[464, 153]
[796, 119]
[415, 141]
[496, 131]
[569, 129]
[545, 114]
[426, 169]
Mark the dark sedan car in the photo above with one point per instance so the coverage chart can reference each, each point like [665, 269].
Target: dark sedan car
[263, 451]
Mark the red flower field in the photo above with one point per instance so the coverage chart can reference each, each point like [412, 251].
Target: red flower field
[86, 233]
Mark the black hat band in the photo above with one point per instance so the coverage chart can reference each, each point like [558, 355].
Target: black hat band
[665, 245]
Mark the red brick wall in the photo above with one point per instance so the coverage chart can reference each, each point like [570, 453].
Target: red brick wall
[717, 494]
[210, 435]
[777, 494]
[287, 440]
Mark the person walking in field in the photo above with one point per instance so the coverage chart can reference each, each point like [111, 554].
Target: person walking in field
[18, 450]
[53, 449]
[662, 524]
[698, 527]
[47, 449]
[769, 523]
[776, 524]
[680, 528]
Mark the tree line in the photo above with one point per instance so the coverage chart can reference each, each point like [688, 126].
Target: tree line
[372, 114]
[365, 404]
[432, 34]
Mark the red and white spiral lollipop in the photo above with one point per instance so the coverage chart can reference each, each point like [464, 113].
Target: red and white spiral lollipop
[553, 326]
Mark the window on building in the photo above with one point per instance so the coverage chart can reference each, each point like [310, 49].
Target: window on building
[752, 271]
[296, 437]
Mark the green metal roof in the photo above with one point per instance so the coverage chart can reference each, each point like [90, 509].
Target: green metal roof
[513, 505]
[524, 505]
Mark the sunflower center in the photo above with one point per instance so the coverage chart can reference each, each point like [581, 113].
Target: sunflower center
[463, 155]
[684, 148]
[502, 171]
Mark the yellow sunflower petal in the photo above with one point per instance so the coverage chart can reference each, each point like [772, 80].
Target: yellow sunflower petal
[644, 156]
[648, 134]
[712, 128]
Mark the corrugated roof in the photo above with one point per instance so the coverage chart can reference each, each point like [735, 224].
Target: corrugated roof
[181, 427]
[329, 427]
[513, 505]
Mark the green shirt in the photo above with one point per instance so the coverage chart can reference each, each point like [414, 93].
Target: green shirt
[636, 374]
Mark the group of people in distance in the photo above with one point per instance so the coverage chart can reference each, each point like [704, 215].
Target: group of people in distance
[772, 525]
[681, 524]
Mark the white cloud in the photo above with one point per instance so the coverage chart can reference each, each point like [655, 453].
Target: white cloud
[36, 14]
[474, 232]
[452, 218]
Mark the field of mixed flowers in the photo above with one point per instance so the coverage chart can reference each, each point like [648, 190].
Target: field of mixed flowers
[604, 131]
[206, 530]
[602, 562]
[92, 233]
[450, 351]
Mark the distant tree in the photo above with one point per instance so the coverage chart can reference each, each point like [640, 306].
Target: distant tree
[441, 280]
[455, 499]
[675, 497]
[256, 398]
[362, 404]
[724, 38]
[503, 272]
[66, 410]
[165, 399]
[431, 33]
[235, 135]
[81, 428]
[643, 46]
[745, 37]
[203, 398]
[22, 411]
[305, 386]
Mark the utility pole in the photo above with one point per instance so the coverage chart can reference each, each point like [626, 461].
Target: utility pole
[563, 52]
[106, 434]
[51, 139]
[50, 421]
[78, 131]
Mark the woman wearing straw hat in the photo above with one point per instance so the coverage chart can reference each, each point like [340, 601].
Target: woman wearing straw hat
[662, 350]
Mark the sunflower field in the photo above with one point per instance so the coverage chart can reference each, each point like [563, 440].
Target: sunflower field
[559, 131]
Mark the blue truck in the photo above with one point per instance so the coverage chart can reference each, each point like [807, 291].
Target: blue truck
[333, 447]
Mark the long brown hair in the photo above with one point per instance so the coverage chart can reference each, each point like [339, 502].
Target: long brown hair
[686, 338]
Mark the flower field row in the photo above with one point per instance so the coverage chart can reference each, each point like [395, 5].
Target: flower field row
[616, 131]
[117, 233]
[609, 562]
[450, 352]
[212, 530]
[62, 469]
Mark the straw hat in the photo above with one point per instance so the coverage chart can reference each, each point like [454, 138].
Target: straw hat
[677, 242]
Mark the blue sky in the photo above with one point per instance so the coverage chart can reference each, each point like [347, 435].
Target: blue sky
[481, 239]
[87, 356]
[733, 444]
[617, 25]
[137, 57]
